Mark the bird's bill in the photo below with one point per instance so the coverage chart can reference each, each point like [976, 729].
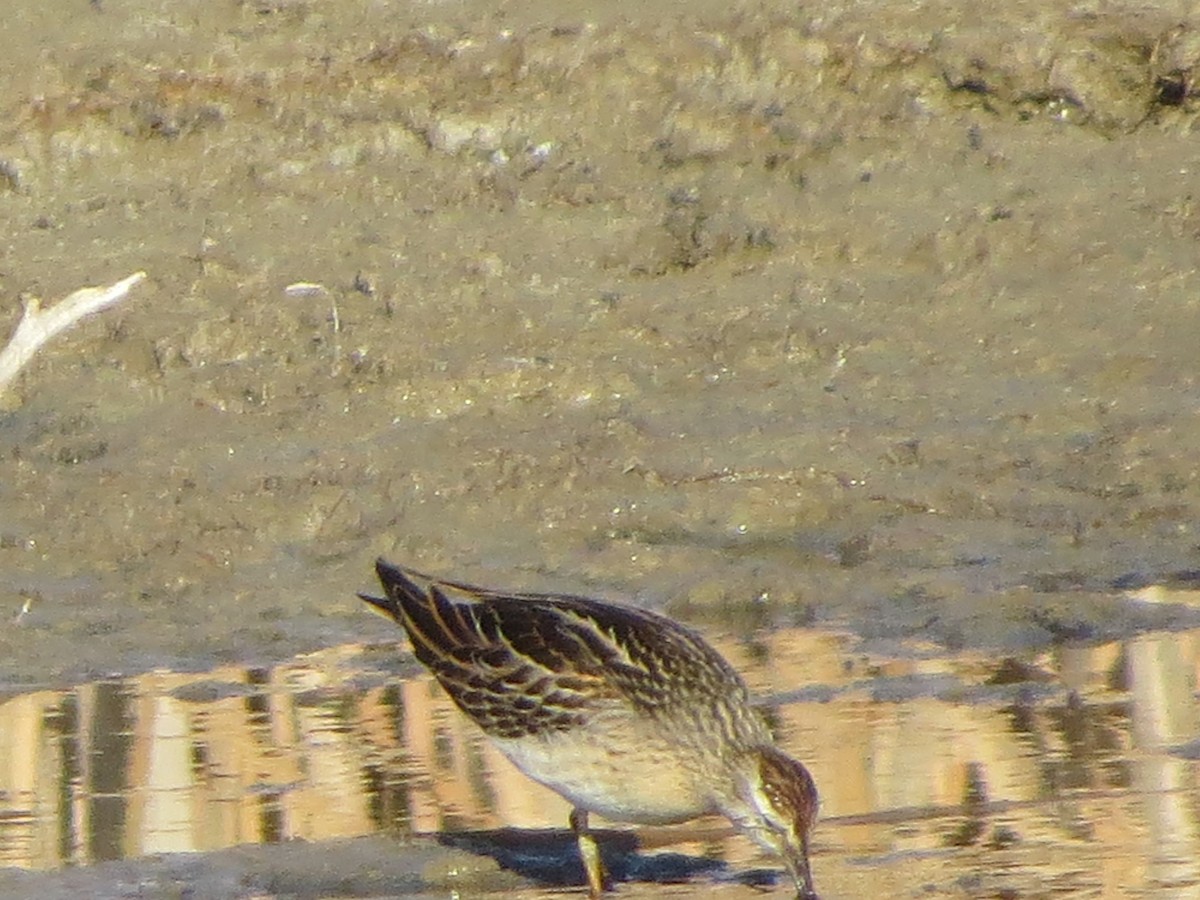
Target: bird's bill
[797, 863]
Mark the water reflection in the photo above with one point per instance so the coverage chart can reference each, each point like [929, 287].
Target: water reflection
[966, 760]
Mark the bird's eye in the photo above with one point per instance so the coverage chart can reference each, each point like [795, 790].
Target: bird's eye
[772, 814]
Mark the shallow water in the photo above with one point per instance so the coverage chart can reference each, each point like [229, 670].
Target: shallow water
[971, 775]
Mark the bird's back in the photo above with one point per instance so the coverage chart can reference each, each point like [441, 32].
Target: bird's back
[521, 664]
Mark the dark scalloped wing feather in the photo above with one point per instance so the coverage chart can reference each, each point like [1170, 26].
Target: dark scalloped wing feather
[508, 693]
[521, 664]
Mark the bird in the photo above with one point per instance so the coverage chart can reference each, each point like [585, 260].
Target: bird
[624, 712]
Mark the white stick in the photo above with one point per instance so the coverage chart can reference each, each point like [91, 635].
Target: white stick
[38, 325]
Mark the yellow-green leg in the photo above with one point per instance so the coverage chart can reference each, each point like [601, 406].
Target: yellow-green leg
[597, 878]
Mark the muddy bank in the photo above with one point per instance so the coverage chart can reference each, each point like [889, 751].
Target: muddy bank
[364, 867]
[881, 316]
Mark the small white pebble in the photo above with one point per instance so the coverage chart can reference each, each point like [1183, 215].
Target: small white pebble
[306, 289]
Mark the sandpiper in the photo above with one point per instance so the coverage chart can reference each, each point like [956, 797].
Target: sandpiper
[622, 711]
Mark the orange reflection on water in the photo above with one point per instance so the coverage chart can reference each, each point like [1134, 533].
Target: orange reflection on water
[1085, 750]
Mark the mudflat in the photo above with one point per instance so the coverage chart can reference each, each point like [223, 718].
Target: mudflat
[879, 316]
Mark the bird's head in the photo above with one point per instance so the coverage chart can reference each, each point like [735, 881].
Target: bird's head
[778, 807]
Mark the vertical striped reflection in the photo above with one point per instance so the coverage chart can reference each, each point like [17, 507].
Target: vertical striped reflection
[108, 745]
[1075, 763]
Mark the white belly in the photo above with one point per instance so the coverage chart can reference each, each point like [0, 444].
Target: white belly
[641, 782]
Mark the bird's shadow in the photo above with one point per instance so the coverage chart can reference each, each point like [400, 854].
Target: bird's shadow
[550, 857]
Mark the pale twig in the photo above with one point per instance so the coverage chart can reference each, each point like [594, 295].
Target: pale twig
[38, 325]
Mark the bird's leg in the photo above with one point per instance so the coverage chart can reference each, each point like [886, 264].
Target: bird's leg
[597, 878]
